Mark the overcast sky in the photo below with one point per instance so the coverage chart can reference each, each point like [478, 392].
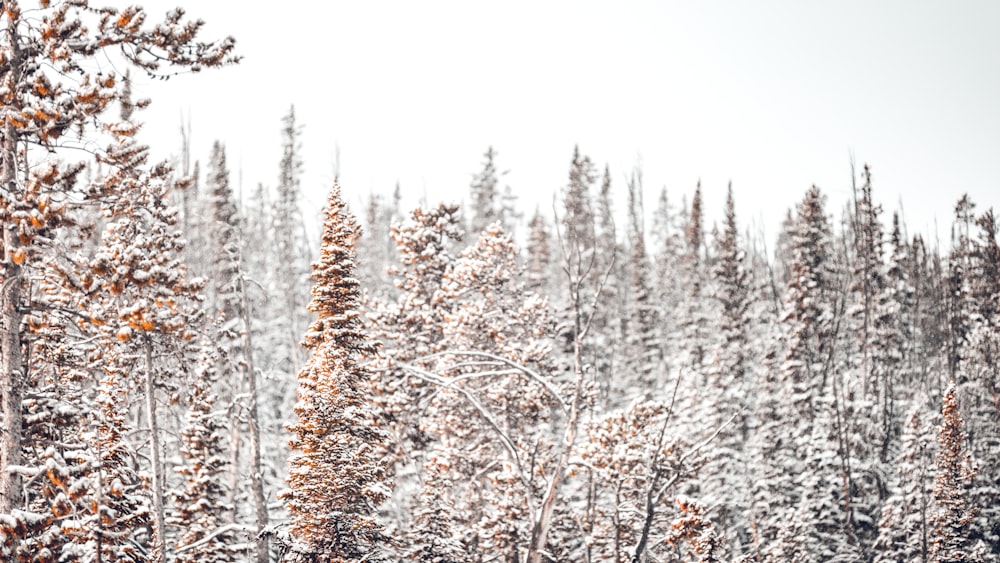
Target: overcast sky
[774, 96]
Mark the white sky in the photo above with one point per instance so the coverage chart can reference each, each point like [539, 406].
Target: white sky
[772, 95]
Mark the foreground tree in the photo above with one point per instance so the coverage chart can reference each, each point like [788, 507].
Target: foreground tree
[60, 41]
[336, 479]
[954, 513]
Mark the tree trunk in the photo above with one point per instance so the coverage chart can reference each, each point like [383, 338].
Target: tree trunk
[540, 529]
[235, 440]
[159, 549]
[11, 359]
[256, 476]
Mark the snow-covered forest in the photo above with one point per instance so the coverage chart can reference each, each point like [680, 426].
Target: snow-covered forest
[191, 377]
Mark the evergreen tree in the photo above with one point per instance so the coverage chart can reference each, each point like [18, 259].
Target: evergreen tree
[953, 517]
[903, 527]
[336, 479]
[729, 371]
[792, 389]
[694, 322]
[437, 524]
[539, 267]
[290, 269]
[40, 108]
[610, 320]
[979, 368]
[485, 195]
[578, 221]
[198, 504]
[643, 340]
[667, 255]
[117, 506]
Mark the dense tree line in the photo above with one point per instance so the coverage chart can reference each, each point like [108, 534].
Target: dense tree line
[181, 385]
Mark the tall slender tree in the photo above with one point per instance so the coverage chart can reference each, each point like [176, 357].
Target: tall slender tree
[485, 195]
[336, 478]
[951, 522]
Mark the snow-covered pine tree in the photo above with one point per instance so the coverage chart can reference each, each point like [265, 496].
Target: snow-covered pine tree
[142, 298]
[484, 195]
[114, 508]
[199, 504]
[980, 373]
[953, 516]
[492, 326]
[288, 273]
[959, 300]
[818, 530]
[57, 41]
[539, 265]
[235, 338]
[794, 388]
[869, 360]
[693, 324]
[410, 326]
[643, 340]
[336, 478]
[609, 321]
[578, 219]
[903, 527]
[375, 248]
[668, 249]
[438, 526]
[724, 488]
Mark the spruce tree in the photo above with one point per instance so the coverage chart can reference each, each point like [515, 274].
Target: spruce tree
[336, 477]
[484, 195]
[903, 526]
[643, 348]
[539, 268]
[53, 92]
[199, 503]
[954, 514]
[729, 371]
[795, 376]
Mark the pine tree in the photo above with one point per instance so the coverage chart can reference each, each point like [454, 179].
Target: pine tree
[437, 523]
[693, 325]
[807, 312]
[65, 37]
[199, 502]
[336, 479]
[903, 527]
[730, 372]
[979, 369]
[578, 222]
[793, 388]
[953, 517]
[410, 326]
[610, 320]
[290, 269]
[667, 255]
[484, 195]
[491, 327]
[143, 299]
[117, 506]
[643, 346]
[539, 270]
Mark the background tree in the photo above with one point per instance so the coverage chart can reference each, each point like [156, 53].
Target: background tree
[199, 504]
